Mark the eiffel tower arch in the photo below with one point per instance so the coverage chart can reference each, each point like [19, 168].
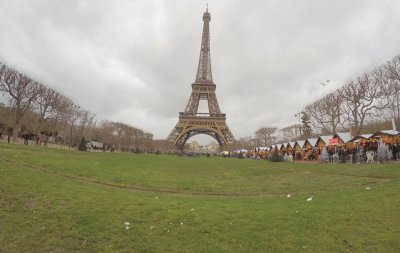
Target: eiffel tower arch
[191, 122]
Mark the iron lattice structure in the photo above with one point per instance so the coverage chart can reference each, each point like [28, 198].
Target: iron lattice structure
[191, 122]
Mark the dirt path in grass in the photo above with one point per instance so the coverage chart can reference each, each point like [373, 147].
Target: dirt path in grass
[383, 178]
[97, 182]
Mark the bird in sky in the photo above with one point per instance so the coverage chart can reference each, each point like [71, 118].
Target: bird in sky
[325, 83]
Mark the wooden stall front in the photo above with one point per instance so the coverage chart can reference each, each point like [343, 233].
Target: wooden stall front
[299, 150]
[322, 142]
[311, 149]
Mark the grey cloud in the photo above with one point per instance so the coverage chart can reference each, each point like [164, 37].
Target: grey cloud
[134, 61]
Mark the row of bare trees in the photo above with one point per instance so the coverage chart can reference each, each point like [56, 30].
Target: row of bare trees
[28, 107]
[367, 98]
[372, 99]
[123, 136]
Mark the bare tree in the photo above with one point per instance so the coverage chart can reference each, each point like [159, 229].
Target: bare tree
[147, 141]
[361, 100]
[392, 73]
[289, 133]
[385, 91]
[6, 121]
[161, 145]
[59, 121]
[305, 121]
[265, 135]
[123, 136]
[48, 102]
[86, 122]
[326, 113]
[71, 117]
[22, 91]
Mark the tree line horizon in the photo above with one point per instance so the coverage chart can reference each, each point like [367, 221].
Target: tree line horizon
[29, 107]
[32, 108]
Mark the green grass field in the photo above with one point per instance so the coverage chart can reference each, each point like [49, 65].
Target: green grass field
[67, 201]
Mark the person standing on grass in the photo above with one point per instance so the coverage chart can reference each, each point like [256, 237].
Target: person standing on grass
[398, 150]
[394, 151]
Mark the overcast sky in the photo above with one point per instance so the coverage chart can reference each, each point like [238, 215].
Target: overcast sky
[135, 61]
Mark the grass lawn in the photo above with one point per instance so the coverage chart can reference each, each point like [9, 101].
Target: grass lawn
[67, 201]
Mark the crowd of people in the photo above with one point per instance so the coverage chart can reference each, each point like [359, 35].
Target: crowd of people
[358, 153]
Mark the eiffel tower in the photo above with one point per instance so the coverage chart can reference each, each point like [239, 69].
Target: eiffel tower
[191, 122]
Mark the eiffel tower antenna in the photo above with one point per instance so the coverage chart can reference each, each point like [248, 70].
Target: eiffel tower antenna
[204, 69]
[191, 122]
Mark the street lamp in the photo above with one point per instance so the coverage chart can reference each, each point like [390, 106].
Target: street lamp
[298, 115]
[73, 118]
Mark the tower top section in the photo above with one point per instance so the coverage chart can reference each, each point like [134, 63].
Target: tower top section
[204, 75]
[206, 15]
